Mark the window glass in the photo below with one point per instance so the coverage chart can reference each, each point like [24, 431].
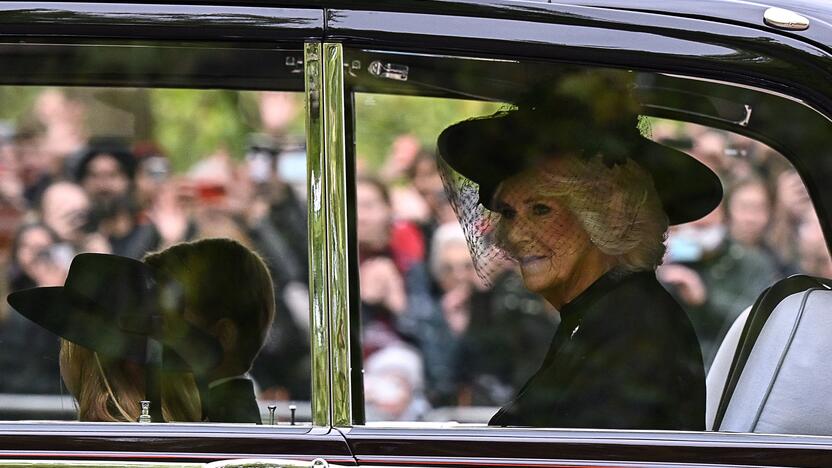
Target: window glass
[553, 246]
[130, 150]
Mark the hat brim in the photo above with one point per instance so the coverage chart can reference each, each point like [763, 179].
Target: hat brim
[109, 325]
[53, 310]
[489, 150]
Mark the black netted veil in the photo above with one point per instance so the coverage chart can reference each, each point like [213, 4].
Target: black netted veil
[478, 223]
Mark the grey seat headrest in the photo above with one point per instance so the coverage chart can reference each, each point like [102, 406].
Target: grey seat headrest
[786, 383]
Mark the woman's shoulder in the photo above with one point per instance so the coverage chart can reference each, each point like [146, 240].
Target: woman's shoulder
[638, 304]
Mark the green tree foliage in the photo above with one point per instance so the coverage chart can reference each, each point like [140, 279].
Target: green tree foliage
[380, 118]
[192, 124]
[16, 102]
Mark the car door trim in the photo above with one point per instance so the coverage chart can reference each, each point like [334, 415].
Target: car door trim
[159, 21]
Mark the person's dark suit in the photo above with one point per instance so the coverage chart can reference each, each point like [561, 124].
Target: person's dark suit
[232, 401]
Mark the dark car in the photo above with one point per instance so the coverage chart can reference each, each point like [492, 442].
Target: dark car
[307, 132]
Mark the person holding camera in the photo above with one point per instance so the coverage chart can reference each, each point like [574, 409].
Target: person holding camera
[106, 172]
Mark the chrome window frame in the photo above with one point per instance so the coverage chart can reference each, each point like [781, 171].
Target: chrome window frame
[328, 256]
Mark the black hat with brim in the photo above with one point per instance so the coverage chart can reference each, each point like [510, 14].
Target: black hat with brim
[113, 305]
[488, 150]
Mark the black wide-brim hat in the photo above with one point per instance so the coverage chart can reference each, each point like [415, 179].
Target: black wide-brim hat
[488, 150]
[113, 305]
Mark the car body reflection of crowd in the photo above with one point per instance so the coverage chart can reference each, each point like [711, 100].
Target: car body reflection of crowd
[65, 190]
[423, 302]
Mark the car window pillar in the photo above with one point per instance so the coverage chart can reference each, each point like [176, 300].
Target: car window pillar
[329, 288]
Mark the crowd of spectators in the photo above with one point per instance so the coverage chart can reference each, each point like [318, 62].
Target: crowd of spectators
[433, 335]
[65, 190]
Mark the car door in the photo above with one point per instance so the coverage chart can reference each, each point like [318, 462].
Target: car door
[207, 99]
[408, 73]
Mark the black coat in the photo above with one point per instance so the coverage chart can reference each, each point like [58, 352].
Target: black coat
[625, 356]
[231, 402]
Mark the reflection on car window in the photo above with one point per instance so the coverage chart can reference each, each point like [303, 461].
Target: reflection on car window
[131, 171]
[566, 260]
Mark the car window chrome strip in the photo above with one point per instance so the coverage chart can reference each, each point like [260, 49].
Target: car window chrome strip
[318, 260]
[138, 20]
[95, 464]
[336, 202]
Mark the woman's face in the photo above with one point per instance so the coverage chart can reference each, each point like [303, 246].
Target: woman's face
[455, 267]
[750, 213]
[33, 242]
[374, 217]
[552, 249]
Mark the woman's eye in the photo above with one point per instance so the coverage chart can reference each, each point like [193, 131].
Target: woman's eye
[540, 209]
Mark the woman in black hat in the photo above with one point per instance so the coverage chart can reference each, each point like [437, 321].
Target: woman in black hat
[180, 330]
[567, 190]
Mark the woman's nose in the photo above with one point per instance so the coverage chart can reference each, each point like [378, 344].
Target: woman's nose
[514, 234]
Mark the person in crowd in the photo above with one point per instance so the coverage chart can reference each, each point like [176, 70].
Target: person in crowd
[107, 173]
[153, 172]
[394, 383]
[427, 183]
[454, 272]
[11, 185]
[34, 168]
[709, 148]
[209, 302]
[813, 250]
[715, 277]
[65, 209]
[793, 206]
[13, 204]
[62, 118]
[389, 254]
[583, 215]
[37, 260]
[380, 234]
[748, 207]
[438, 314]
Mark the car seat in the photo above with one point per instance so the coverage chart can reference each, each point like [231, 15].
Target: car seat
[771, 373]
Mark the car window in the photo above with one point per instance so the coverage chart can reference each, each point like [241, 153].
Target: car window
[549, 245]
[129, 149]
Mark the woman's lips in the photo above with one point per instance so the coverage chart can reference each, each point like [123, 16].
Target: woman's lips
[531, 261]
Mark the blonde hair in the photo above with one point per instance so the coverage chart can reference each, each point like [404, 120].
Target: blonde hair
[618, 207]
[111, 391]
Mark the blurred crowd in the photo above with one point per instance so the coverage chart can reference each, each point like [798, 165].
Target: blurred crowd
[435, 336]
[65, 190]
[765, 229]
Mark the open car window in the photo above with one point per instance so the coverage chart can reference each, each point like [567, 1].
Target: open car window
[127, 149]
[547, 245]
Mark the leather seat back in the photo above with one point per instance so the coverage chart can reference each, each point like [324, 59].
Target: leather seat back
[720, 368]
[780, 373]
